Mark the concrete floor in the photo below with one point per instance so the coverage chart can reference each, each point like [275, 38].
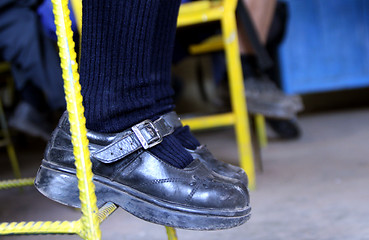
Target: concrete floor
[316, 187]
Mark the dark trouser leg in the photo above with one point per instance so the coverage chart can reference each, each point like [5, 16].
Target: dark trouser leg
[32, 56]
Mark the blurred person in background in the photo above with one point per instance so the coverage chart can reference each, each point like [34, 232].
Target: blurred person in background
[262, 79]
[35, 67]
[261, 25]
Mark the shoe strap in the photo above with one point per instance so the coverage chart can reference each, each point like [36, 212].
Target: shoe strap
[145, 134]
[172, 119]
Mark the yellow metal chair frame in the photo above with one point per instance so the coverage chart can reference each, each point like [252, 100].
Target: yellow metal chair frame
[5, 140]
[87, 227]
[216, 43]
[223, 11]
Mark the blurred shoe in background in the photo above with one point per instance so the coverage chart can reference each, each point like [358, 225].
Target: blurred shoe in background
[287, 129]
[29, 120]
[263, 97]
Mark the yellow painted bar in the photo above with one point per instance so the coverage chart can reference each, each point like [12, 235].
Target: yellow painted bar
[261, 130]
[219, 120]
[8, 143]
[4, 66]
[171, 232]
[212, 14]
[16, 183]
[225, 12]
[13, 159]
[77, 11]
[238, 99]
[22, 228]
[211, 44]
[89, 220]
[188, 8]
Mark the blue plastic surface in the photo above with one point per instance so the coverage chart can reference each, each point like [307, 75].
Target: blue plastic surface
[326, 46]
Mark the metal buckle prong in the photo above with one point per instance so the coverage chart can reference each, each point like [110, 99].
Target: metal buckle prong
[153, 141]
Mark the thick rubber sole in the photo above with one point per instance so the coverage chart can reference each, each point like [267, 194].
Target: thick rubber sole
[55, 183]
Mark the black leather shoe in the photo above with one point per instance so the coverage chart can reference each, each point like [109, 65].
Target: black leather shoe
[205, 156]
[222, 168]
[128, 175]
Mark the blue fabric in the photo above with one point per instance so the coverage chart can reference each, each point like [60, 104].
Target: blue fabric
[326, 47]
[45, 12]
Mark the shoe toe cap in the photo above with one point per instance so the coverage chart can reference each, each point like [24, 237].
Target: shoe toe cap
[220, 193]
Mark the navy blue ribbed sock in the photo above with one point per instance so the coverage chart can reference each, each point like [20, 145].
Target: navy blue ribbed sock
[186, 138]
[115, 69]
[161, 62]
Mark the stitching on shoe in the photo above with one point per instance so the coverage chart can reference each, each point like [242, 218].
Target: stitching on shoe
[194, 190]
[160, 181]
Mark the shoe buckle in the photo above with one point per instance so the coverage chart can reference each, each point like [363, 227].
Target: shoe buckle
[147, 134]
